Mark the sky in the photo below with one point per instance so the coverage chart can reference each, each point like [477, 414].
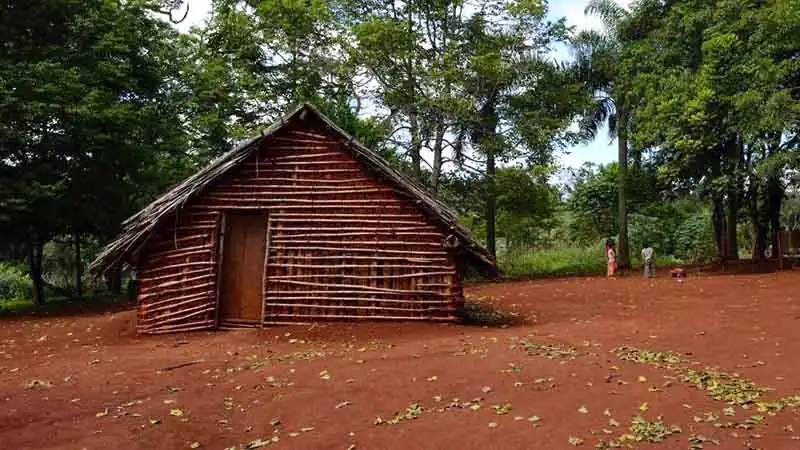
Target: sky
[601, 151]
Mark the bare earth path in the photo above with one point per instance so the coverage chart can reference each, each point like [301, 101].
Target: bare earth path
[89, 382]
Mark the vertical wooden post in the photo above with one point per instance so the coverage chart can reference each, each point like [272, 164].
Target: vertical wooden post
[221, 225]
[265, 280]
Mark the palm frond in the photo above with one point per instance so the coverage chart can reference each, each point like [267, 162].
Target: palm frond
[609, 12]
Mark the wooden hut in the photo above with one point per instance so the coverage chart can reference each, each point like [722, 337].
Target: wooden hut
[299, 224]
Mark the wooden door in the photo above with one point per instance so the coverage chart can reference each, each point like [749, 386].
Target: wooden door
[241, 291]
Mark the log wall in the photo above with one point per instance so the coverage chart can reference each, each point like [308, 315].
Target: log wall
[340, 244]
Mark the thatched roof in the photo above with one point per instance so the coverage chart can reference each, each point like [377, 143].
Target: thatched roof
[138, 228]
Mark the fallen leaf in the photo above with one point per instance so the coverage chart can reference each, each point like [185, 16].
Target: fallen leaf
[642, 379]
[194, 445]
[102, 413]
[343, 404]
[492, 424]
[644, 407]
[575, 441]
[325, 375]
[176, 412]
[583, 410]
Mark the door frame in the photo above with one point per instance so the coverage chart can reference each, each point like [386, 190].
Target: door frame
[220, 254]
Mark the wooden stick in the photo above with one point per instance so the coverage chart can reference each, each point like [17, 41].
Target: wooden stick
[181, 314]
[369, 250]
[278, 163]
[345, 233]
[283, 215]
[180, 253]
[312, 135]
[145, 295]
[178, 330]
[310, 219]
[302, 140]
[273, 301]
[171, 303]
[344, 316]
[379, 209]
[365, 277]
[357, 287]
[363, 308]
[371, 258]
[175, 266]
[174, 275]
[246, 187]
[365, 266]
[305, 201]
[206, 323]
[418, 229]
[368, 294]
[306, 193]
[309, 181]
[178, 366]
[314, 171]
[381, 243]
[188, 280]
[182, 228]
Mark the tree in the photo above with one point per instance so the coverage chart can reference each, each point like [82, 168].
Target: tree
[598, 58]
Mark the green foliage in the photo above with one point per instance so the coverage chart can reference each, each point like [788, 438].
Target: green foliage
[526, 263]
[15, 284]
[693, 239]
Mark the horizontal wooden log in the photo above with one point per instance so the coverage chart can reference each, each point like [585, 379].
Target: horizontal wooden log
[361, 250]
[178, 240]
[346, 292]
[300, 186]
[346, 233]
[176, 282]
[356, 229]
[361, 277]
[309, 134]
[381, 223]
[365, 266]
[304, 242]
[434, 285]
[276, 170]
[305, 181]
[279, 163]
[369, 203]
[176, 302]
[359, 308]
[149, 279]
[277, 207]
[180, 252]
[306, 193]
[195, 227]
[360, 258]
[292, 298]
[181, 314]
[160, 268]
[356, 287]
[193, 326]
[356, 317]
[315, 146]
[144, 296]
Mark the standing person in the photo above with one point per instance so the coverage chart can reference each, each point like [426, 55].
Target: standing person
[611, 257]
[648, 257]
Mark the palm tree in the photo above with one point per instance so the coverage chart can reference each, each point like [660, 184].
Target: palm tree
[597, 57]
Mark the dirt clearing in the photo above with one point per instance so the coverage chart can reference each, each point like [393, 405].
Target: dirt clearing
[708, 363]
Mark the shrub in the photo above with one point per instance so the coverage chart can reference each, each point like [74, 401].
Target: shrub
[525, 262]
[15, 284]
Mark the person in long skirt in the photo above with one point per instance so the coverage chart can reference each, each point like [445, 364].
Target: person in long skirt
[611, 257]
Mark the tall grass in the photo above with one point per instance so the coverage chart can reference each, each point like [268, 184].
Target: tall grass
[565, 261]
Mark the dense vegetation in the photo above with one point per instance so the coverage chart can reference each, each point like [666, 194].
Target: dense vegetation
[103, 105]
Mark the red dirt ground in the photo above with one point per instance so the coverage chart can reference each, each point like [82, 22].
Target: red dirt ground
[327, 384]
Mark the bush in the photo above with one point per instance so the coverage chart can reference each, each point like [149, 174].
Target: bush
[694, 241]
[15, 284]
[524, 263]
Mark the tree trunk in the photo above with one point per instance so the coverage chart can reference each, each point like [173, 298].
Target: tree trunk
[78, 266]
[114, 280]
[491, 203]
[35, 251]
[623, 251]
[774, 200]
[757, 222]
[437, 157]
[718, 225]
[731, 241]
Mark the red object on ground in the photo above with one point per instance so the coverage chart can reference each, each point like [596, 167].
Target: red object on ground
[106, 388]
[678, 273]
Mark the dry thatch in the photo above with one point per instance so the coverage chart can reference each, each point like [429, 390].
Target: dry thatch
[138, 228]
